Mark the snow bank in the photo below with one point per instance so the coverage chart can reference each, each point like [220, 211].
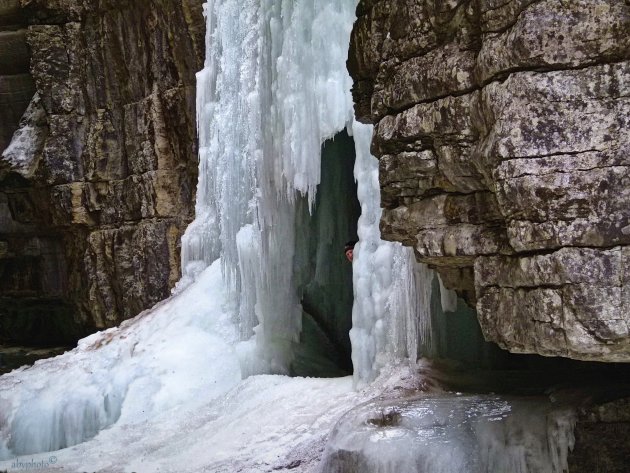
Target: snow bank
[180, 352]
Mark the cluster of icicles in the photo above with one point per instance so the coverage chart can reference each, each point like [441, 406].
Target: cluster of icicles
[274, 89]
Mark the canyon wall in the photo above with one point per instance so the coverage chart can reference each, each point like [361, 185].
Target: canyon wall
[98, 183]
[501, 127]
[16, 83]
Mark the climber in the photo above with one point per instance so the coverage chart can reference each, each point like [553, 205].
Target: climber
[349, 250]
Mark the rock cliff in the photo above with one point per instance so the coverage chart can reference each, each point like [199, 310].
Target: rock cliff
[501, 127]
[98, 183]
[16, 83]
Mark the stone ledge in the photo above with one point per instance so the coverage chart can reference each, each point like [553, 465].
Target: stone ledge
[573, 302]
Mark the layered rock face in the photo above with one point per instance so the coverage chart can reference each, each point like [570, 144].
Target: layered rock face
[98, 183]
[502, 132]
[16, 83]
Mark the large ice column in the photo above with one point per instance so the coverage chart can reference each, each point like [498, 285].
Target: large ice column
[273, 89]
[391, 316]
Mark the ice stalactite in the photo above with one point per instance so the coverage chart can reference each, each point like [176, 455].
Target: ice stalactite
[391, 315]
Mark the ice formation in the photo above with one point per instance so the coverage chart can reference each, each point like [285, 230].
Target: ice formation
[448, 298]
[452, 433]
[273, 89]
[390, 318]
[179, 353]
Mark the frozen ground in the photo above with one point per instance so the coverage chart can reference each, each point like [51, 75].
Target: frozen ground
[164, 393]
[265, 423]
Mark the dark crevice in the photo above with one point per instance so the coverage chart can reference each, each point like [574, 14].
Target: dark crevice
[548, 251]
[323, 274]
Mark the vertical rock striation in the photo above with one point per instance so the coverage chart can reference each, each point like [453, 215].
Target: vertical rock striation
[502, 132]
[98, 183]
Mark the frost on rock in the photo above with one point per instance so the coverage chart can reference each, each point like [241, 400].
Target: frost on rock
[27, 141]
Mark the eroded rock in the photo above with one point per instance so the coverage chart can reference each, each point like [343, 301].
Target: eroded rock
[103, 168]
[501, 127]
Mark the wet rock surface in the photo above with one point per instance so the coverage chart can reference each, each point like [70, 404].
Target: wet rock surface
[601, 438]
[501, 129]
[98, 183]
[13, 357]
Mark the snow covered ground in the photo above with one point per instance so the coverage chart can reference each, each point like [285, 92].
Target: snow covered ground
[164, 393]
[265, 423]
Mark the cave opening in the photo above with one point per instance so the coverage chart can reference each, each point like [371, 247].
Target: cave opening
[469, 363]
[324, 275]
[324, 282]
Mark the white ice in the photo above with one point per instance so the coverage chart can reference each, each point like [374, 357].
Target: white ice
[177, 354]
[273, 89]
[183, 408]
[452, 433]
[390, 317]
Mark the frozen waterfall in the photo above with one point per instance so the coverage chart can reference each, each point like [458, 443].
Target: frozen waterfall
[274, 88]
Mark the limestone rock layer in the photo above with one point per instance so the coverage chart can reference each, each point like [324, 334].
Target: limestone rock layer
[16, 83]
[502, 132]
[98, 183]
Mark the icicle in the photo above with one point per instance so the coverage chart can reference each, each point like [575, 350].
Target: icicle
[448, 298]
[391, 315]
[273, 89]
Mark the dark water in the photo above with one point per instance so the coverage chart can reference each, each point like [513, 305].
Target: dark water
[15, 356]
